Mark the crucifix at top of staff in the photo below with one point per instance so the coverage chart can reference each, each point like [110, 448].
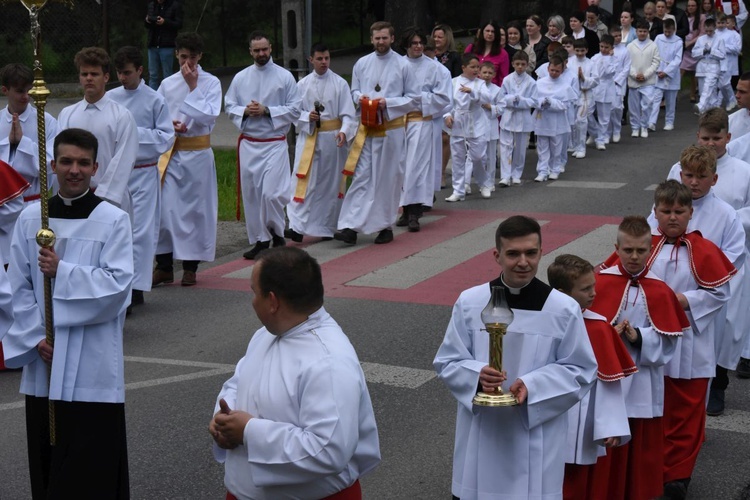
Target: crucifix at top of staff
[45, 237]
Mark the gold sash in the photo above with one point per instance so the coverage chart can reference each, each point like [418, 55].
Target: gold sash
[305, 162]
[416, 116]
[197, 143]
[363, 132]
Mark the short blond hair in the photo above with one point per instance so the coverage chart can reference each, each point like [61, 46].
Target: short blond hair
[698, 160]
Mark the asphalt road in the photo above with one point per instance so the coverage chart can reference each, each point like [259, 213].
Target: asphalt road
[182, 344]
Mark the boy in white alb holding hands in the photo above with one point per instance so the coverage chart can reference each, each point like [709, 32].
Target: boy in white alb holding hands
[517, 93]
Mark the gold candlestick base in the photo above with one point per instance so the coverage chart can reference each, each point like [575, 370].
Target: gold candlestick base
[498, 398]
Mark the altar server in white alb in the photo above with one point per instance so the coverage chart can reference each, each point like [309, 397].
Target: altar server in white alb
[435, 95]
[91, 267]
[718, 222]
[548, 365]
[189, 199]
[667, 75]
[518, 97]
[437, 119]
[263, 102]
[18, 145]
[327, 121]
[622, 56]
[586, 81]
[155, 136]
[385, 90]
[492, 110]
[295, 420]
[468, 126]
[6, 308]
[111, 123]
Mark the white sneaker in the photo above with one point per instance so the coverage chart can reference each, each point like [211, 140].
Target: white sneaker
[636, 133]
[601, 147]
[607, 140]
[516, 182]
[668, 126]
[571, 151]
[454, 197]
[492, 189]
[553, 176]
[644, 132]
[468, 188]
[590, 141]
[616, 138]
[579, 154]
[696, 110]
[652, 127]
[504, 183]
[485, 192]
[540, 178]
[731, 106]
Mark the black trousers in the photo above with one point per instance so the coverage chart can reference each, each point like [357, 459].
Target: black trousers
[90, 456]
[165, 262]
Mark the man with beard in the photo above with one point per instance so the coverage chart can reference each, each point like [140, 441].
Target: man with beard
[386, 90]
[263, 101]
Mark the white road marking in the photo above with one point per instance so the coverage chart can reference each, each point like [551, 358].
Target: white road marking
[325, 251]
[430, 262]
[586, 184]
[397, 376]
[652, 187]
[731, 421]
[594, 247]
[376, 373]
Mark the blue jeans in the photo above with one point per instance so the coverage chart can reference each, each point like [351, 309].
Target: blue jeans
[160, 60]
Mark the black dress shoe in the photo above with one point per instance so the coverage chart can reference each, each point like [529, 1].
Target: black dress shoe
[348, 236]
[384, 236]
[743, 368]
[276, 240]
[253, 252]
[413, 223]
[402, 221]
[715, 406]
[293, 235]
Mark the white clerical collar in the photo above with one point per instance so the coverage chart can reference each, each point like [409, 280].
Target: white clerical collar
[98, 104]
[69, 201]
[512, 290]
[321, 76]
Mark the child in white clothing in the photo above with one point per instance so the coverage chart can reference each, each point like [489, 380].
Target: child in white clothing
[585, 82]
[644, 61]
[622, 56]
[468, 125]
[605, 94]
[517, 94]
[732, 49]
[668, 74]
[486, 178]
[555, 95]
[709, 51]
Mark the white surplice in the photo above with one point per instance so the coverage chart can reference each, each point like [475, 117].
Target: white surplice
[117, 133]
[155, 136]
[24, 159]
[695, 355]
[264, 166]
[517, 452]
[372, 200]
[313, 430]
[718, 222]
[518, 97]
[318, 215]
[601, 414]
[6, 303]
[733, 187]
[644, 390]
[89, 298]
[189, 197]
[435, 96]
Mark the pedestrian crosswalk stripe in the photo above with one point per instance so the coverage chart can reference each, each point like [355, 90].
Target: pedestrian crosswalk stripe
[586, 184]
